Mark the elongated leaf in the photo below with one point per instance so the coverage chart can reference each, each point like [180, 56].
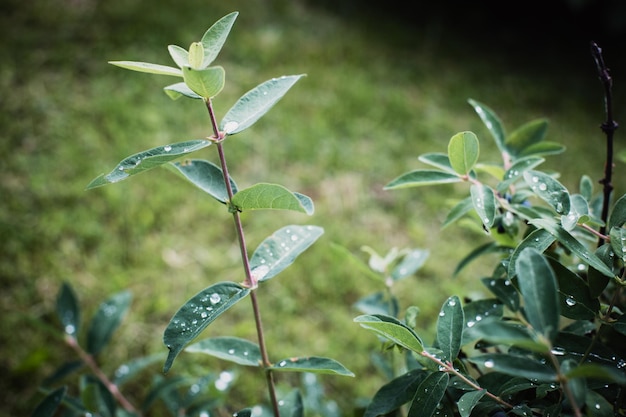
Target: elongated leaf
[429, 394]
[599, 372]
[207, 83]
[233, 349]
[450, 326]
[178, 90]
[160, 390]
[312, 364]
[515, 366]
[422, 177]
[539, 289]
[573, 245]
[516, 171]
[618, 242]
[463, 151]
[458, 211]
[48, 406]
[214, 38]
[179, 55]
[526, 135]
[437, 160]
[129, 370]
[197, 313]
[143, 161]
[597, 280]
[468, 401]
[492, 122]
[485, 204]
[106, 320]
[618, 213]
[538, 239]
[574, 295]
[504, 333]
[96, 397]
[549, 190]
[272, 196]
[148, 68]
[504, 290]
[543, 148]
[206, 176]
[255, 103]
[394, 394]
[68, 310]
[487, 248]
[281, 249]
[410, 263]
[392, 329]
[291, 405]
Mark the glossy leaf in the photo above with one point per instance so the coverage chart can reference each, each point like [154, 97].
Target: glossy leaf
[272, 196]
[392, 329]
[574, 296]
[458, 211]
[233, 349]
[106, 320]
[468, 401]
[206, 176]
[618, 242]
[410, 263]
[178, 90]
[429, 394]
[437, 160]
[68, 310]
[291, 405]
[477, 311]
[538, 239]
[585, 187]
[197, 313]
[422, 177]
[394, 394]
[148, 68]
[516, 171]
[281, 249]
[538, 286]
[573, 245]
[48, 406]
[450, 326]
[214, 38]
[485, 204]
[549, 190]
[579, 211]
[143, 161]
[498, 332]
[312, 364]
[463, 152]
[491, 121]
[597, 280]
[526, 135]
[600, 406]
[504, 290]
[131, 369]
[207, 82]
[515, 366]
[543, 148]
[598, 372]
[179, 55]
[618, 213]
[255, 103]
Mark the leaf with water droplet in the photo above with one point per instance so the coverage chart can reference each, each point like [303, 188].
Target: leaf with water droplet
[392, 329]
[68, 310]
[258, 101]
[48, 406]
[206, 176]
[574, 295]
[617, 217]
[476, 311]
[207, 82]
[549, 189]
[468, 401]
[499, 332]
[143, 161]
[520, 366]
[394, 394]
[450, 326]
[538, 239]
[96, 397]
[429, 394]
[312, 364]
[272, 196]
[233, 349]
[422, 177]
[492, 122]
[281, 249]
[463, 151]
[505, 292]
[516, 171]
[410, 263]
[214, 38]
[618, 242]
[131, 369]
[485, 204]
[107, 319]
[197, 313]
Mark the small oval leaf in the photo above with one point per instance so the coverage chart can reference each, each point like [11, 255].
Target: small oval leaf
[463, 151]
[179, 55]
[106, 320]
[618, 213]
[68, 310]
[312, 364]
[206, 176]
[392, 329]
[233, 349]
[207, 83]
[450, 326]
[549, 190]
[491, 121]
[271, 196]
[485, 204]
[422, 177]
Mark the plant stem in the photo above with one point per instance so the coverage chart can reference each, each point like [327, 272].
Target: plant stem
[608, 127]
[250, 281]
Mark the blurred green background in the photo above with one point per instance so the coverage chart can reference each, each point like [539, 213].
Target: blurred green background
[384, 84]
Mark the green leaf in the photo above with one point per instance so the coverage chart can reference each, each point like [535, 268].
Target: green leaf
[291, 405]
[618, 242]
[504, 290]
[479, 310]
[597, 280]
[178, 90]
[422, 177]
[463, 151]
[573, 245]
[485, 204]
[206, 176]
[437, 160]
[272, 196]
[519, 366]
[196, 56]
[207, 82]
[281, 249]
[543, 148]
[392, 329]
[96, 397]
[233, 349]
[538, 239]
[197, 313]
[579, 211]
[600, 406]
[516, 171]
[255, 103]
[450, 326]
[214, 38]
[106, 320]
[429, 394]
[129, 370]
[505, 333]
[148, 68]
[526, 135]
[410, 263]
[596, 371]
[179, 55]
[586, 187]
[537, 284]
[312, 364]
[394, 394]
[549, 190]
[458, 211]
[468, 401]
[491, 121]
[143, 161]
[68, 310]
[574, 296]
[618, 213]
[48, 406]
[620, 324]
[487, 248]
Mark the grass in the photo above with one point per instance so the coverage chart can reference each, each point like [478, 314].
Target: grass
[375, 97]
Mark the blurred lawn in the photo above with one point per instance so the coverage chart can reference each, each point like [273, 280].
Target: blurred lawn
[377, 94]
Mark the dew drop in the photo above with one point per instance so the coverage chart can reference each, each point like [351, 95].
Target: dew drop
[203, 315]
[231, 351]
[121, 371]
[294, 237]
[570, 301]
[471, 323]
[543, 186]
[282, 363]
[452, 303]
[441, 314]
[215, 298]
[167, 148]
[70, 329]
[535, 179]
[120, 168]
[489, 363]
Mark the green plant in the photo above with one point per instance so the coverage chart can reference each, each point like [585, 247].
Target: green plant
[201, 81]
[550, 340]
